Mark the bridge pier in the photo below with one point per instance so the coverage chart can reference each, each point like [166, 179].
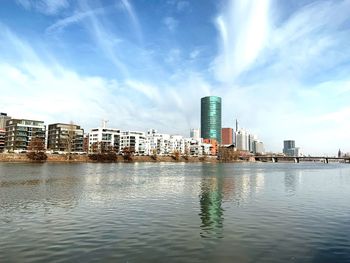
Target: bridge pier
[296, 160]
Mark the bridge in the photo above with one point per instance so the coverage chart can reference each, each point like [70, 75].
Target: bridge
[296, 159]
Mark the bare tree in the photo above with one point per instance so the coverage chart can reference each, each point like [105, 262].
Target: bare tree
[36, 149]
[69, 139]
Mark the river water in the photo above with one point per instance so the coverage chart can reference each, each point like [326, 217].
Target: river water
[175, 212]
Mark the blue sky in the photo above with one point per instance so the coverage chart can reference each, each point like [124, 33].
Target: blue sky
[281, 67]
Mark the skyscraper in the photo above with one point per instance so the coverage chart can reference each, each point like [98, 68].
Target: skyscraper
[289, 148]
[211, 118]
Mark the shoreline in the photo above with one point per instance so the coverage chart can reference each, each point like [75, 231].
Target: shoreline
[55, 158]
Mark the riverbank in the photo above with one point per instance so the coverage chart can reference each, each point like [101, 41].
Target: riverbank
[57, 158]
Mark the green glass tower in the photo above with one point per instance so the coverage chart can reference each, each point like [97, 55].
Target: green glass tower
[211, 118]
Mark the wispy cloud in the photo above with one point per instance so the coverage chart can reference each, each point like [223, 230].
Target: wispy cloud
[171, 23]
[77, 17]
[244, 28]
[133, 16]
[48, 7]
[105, 39]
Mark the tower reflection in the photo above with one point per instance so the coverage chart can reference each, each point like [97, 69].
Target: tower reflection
[211, 201]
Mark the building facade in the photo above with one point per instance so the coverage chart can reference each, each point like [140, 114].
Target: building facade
[102, 139]
[65, 138]
[19, 133]
[2, 140]
[211, 118]
[134, 141]
[195, 134]
[289, 148]
[242, 142]
[227, 136]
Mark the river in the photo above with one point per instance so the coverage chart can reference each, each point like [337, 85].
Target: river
[175, 212]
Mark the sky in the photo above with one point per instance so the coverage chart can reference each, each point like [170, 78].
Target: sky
[281, 67]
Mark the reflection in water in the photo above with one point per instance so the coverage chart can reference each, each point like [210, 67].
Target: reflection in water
[291, 180]
[211, 201]
[218, 186]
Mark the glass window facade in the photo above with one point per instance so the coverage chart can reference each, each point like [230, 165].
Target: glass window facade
[211, 118]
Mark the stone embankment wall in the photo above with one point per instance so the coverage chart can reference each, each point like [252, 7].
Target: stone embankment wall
[12, 157]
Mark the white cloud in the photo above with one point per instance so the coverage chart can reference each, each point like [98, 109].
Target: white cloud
[171, 23]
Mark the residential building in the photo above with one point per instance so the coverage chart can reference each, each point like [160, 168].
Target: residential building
[19, 133]
[211, 118]
[135, 141]
[65, 138]
[213, 145]
[227, 136]
[86, 142]
[2, 139]
[3, 119]
[102, 138]
[158, 143]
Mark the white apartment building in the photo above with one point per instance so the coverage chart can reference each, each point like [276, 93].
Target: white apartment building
[104, 138]
[135, 141]
[157, 142]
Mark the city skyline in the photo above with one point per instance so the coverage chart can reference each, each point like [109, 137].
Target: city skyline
[280, 67]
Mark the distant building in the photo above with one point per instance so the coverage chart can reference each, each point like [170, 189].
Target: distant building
[19, 133]
[251, 139]
[242, 140]
[227, 136]
[211, 118]
[289, 148]
[65, 138]
[340, 153]
[3, 119]
[103, 138]
[258, 147]
[195, 134]
[2, 139]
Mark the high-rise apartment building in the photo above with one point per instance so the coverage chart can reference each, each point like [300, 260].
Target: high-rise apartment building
[3, 119]
[211, 118]
[227, 136]
[19, 133]
[65, 138]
